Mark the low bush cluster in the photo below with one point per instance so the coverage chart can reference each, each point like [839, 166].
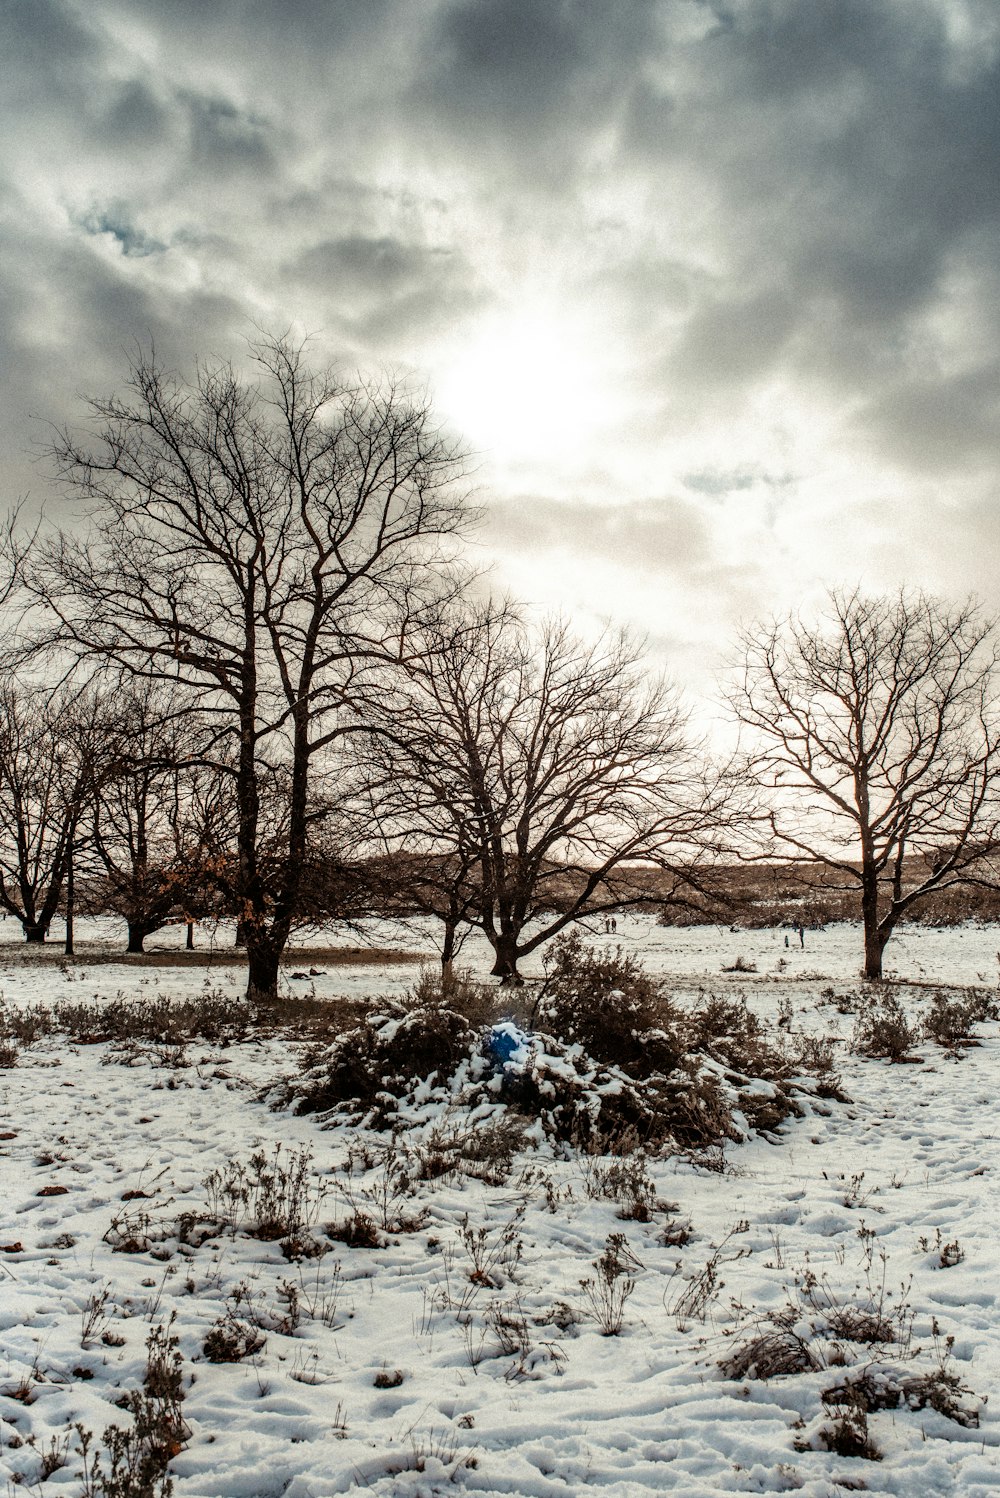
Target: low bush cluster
[950, 1018]
[214, 1017]
[386, 1056]
[884, 1030]
[612, 1059]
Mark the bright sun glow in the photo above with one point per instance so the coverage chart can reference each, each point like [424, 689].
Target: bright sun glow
[527, 386]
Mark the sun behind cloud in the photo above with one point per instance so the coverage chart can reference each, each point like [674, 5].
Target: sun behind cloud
[529, 384]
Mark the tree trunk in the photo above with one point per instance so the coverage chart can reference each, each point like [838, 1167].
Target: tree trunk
[137, 934]
[70, 898]
[448, 953]
[875, 939]
[241, 934]
[189, 939]
[505, 966]
[33, 932]
[874, 947]
[262, 977]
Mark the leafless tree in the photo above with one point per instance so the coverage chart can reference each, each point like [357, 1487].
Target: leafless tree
[519, 778]
[876, 745]
[55, 748]
[260, 545]
[162, 823]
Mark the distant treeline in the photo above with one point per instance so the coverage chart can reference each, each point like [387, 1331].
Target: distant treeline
[776, 895]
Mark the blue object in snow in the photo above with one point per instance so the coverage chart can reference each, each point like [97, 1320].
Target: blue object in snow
[506, 1043]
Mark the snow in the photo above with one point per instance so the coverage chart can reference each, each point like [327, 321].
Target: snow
[508, 1385]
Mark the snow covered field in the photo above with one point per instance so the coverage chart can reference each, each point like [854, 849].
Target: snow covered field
[463, 1352]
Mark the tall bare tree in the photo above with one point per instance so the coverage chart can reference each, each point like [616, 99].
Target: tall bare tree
[876, 746]
[521, 776]
[260, 544]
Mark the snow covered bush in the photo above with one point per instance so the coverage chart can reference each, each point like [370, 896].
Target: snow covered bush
[586, 1103]
[605, 1002]
[380, 1060]
[613, 1062]
[730, 1032]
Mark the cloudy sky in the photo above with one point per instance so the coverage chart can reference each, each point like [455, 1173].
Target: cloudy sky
[712, 287]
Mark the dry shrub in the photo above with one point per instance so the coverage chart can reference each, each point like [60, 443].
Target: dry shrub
[882, 1030]
[816, 1054]
[607, 1292]
[271, 1197]
[848, 1434]
[877, 1388]
[139, 1455]
[949, 1019]
[214, 1017]
[24, 1026]
[770, 1353]
[730, 1032]
[357, 1230]
[484, 1149]
[741, 965]
[231, 1339]
[625, 1179]
[130, 1232]
[882, 1386]
[161, 1021]
[819, 1325]
[766, 1111]
[981, 1005]
[457, 990]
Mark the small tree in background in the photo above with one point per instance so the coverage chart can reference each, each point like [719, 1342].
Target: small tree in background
[875, 747]
[520, 775]
[161, 821]
[56, 749]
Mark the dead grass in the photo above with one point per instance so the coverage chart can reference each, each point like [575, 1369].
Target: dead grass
[96, 954]
[131, 1024]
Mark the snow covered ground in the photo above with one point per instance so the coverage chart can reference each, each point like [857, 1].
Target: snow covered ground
[463, 1352]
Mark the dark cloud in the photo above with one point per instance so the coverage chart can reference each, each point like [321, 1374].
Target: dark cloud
[533, 84]
[380, 290]
[940, 426]
[838, 156]
[44, 37]
[735, 340]
[132, 112]
[775, 221]
[226, 139]
[377, 264]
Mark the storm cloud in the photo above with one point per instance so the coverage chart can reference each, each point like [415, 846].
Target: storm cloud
[716, 282]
